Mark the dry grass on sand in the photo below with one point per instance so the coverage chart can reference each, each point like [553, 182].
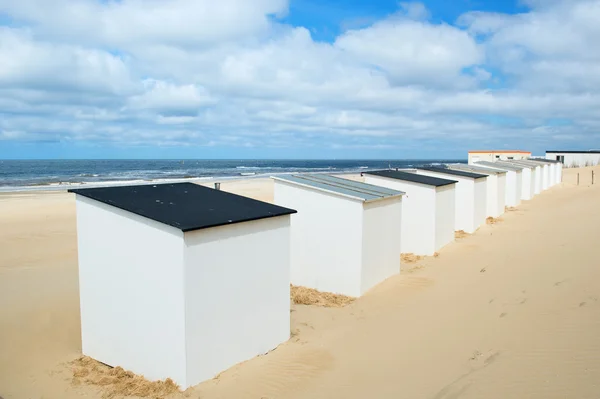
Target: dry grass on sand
[413, 269]
[461, 234]
[309, 296]
[408, 258]
[118, 383]
[491, 220]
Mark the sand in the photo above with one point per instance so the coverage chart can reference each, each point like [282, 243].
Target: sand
[512, 311]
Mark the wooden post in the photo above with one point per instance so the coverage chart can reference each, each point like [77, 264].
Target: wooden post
[577, 178]
[592, 177]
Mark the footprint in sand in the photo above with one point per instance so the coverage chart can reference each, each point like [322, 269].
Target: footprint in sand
[459, 386]
[491, 359]
[560, 282]
[503, 315]
[475, 355]
[590, 299]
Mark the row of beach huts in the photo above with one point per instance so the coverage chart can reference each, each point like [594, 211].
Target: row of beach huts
[183, 281]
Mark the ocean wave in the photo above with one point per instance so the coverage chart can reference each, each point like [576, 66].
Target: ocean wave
[46, 175]
[93, 184]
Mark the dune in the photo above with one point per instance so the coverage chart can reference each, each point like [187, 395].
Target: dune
[511, 311]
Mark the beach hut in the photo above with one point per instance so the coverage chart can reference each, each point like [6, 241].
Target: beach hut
[554, 172]
[559, 171]
[554, 168]
[496, 185]
[514, 181]
[428, 209]
[466, 209]
[546, 175]
[558, 166]
[549, 172]
[179, 280]
[346, 237]
[536, 174]
[528, 179]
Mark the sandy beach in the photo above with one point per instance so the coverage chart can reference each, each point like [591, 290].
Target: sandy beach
[512, 311]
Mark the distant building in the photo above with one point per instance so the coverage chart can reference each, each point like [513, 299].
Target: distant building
[497, 155]
[575, 159]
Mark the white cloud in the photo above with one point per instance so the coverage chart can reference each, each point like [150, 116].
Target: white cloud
[414, 52]
[132, 22]
[169, 99]
[31, 64]
[414, 10]
[226, 73]
[552, 48]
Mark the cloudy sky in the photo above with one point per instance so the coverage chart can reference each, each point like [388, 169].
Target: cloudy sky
[296, 78]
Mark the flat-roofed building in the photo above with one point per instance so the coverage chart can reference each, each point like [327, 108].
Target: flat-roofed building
[497, 155]
[575, 159]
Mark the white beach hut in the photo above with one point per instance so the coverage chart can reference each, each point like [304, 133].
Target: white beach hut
[428, 209]
[539, 173]
[551, 170]
[554, 169]
[546, 175]
[170, 274]
[465, 208]
[553, 177]
[559, 171]
[496, 185]
[558, 166]
[527, 177]
[536, 174]
[514, 181]
[346, 237]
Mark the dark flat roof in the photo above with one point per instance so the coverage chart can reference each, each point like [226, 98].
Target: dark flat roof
[574, 152]
[185, 206]
[343, 187]
[454, 172]
[412, 177]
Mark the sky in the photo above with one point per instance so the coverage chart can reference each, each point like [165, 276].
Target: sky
[297, 78]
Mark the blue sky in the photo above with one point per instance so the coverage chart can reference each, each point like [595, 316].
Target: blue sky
[327, 19]
[296, 79]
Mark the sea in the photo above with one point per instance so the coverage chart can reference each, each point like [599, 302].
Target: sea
[23, 175]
